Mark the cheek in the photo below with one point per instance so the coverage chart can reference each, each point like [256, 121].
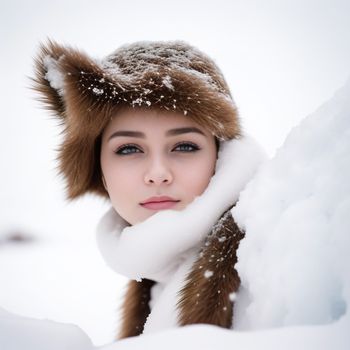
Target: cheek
[196, 176]
[120, 180]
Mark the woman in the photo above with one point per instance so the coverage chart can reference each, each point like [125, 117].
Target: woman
[153, 128]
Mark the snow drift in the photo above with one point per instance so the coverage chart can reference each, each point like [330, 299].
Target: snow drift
[293, 262]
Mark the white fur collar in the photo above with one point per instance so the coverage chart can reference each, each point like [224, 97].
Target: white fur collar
[154, 248]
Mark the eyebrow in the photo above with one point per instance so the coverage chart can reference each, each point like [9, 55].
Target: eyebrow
[171, 132]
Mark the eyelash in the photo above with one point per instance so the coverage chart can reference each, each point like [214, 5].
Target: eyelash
[124, 150]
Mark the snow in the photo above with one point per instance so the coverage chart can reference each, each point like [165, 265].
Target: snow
[167, 82]
[63, 279]
[47, 335]
[54, 75]
[233, 296]
[208, 337]
[97, 91]
[18, 333]
[147, 56]
[208, 273]
[296, 216]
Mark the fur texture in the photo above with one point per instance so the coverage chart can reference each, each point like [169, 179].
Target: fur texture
[135, 308]
[208, 294]
[85, 94]
[209, 290]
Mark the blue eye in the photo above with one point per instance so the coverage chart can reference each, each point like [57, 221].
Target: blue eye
[127, 149]
[186, 147]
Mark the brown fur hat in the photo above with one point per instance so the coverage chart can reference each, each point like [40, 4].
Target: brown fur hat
[85, 93]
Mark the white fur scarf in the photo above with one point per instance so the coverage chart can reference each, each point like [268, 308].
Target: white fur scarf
[154, 248]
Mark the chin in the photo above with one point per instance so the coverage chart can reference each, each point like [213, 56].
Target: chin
[141, 218]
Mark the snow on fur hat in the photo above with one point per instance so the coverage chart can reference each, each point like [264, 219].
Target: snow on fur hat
[85, 93]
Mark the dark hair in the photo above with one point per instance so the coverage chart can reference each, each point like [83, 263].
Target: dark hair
[217, 144]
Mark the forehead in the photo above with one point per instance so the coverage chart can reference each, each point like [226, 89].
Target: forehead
[149, 119]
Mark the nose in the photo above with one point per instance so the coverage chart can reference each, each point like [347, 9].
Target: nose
[158, 172]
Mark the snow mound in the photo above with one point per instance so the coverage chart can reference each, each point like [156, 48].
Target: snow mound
[294, 261]
[17, 333]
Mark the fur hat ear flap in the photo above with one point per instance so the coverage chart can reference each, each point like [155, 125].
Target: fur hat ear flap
[79, 162]
[68, 84]
[48, 80]
[71, 85]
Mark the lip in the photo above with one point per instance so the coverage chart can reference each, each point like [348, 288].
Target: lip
[158, 203]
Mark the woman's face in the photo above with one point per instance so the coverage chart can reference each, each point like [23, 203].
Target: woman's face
[154, 160]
